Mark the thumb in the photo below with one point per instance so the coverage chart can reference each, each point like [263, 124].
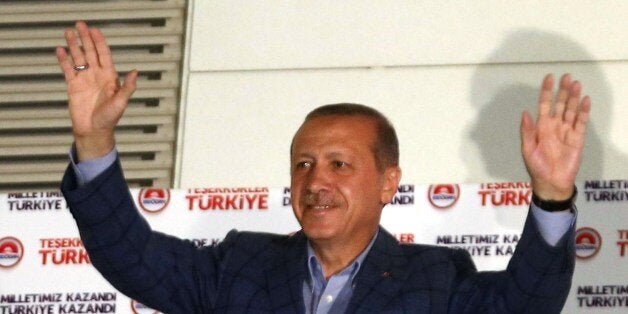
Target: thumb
[130, 84]
[121, 98]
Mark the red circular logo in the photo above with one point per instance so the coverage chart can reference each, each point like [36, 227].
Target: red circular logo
[154, 200]
[139, 308]
[11, 252]
[443, 195]
[588, 242]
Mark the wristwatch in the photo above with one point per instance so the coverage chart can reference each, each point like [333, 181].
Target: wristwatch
[554, 206]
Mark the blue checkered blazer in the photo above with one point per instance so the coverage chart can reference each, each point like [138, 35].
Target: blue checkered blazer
[264, 273]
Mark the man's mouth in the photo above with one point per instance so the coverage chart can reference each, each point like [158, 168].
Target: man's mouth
[319, 201]
[320, 207]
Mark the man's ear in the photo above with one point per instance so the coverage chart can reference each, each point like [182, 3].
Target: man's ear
[392, 176]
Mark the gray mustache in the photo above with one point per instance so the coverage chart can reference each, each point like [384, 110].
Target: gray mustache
[321, 198]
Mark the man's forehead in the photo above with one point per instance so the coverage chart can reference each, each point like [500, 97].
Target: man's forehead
[339, 121]
[345, 126]
[337, 126]
[336, 131]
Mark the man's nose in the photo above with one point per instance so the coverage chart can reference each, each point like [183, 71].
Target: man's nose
[318, 179]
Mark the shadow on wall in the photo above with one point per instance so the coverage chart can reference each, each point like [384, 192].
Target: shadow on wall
[496, 130]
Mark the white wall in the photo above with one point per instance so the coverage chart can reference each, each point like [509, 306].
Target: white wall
[452, 76]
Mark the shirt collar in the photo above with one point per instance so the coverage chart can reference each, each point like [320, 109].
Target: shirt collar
[314, 267]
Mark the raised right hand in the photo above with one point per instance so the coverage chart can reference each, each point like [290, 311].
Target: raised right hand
[96, 100]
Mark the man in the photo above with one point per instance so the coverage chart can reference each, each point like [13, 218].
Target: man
[344, 170]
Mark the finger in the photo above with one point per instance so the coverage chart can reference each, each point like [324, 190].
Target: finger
[88, 44]
[572, 103]
[545, 96]
[104, 53]
[528, 134]
[583, 115]
[64, 63]
[563, 94]
[75, 49]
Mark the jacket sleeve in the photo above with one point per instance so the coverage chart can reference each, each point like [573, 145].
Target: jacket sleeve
[163, 272]
[537, 279]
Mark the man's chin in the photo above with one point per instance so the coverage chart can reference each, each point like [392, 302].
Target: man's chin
[314, 233]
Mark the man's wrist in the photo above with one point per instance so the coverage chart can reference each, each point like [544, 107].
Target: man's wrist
[93, 147]
[551, 205]
[88, 170]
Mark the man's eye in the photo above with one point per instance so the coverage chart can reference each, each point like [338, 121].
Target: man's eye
[340, 164]
[304, 165]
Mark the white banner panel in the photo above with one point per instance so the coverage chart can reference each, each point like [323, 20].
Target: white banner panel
[45, 269]
[245, 35]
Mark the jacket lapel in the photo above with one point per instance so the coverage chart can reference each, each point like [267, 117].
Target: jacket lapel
[286, 275]
[381, 276]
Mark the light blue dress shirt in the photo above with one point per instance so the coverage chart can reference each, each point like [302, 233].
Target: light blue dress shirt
[333, 295]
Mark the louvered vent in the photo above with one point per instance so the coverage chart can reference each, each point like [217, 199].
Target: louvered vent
[34, 124]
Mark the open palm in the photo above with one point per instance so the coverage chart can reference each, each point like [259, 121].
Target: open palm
[95, 97]
[552, 147]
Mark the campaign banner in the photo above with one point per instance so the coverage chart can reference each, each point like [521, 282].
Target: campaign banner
[44, 267]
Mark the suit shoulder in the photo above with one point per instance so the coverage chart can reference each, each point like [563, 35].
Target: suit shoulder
[442, 258]
[259, 241]
[434, 251]
[255, 237]
[243, 249]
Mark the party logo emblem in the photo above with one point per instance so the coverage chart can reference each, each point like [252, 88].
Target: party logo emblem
[11, 252]
[154, 200]
[588, 242]
[443, 195]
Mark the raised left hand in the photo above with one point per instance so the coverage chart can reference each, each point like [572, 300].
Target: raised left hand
[552, 147]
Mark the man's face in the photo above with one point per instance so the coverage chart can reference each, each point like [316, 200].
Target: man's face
[337, 191]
